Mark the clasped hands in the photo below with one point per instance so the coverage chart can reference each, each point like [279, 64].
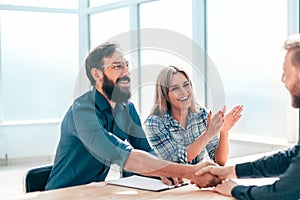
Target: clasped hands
[220, 177]
[210, 174]
[196, 176]
[199, 174]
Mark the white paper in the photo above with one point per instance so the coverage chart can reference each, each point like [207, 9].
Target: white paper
[143, 183]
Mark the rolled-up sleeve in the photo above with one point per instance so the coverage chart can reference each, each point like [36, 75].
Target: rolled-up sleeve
[164, 146]
[212, 146]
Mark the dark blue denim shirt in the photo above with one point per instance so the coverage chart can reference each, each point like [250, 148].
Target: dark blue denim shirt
[284, 164]
[94, 136]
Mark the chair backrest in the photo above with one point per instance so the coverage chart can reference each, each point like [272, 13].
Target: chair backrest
[35, 179]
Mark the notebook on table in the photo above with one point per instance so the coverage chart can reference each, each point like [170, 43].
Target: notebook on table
[143, 183]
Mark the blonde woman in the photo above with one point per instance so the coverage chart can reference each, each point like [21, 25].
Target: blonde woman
[180, 130]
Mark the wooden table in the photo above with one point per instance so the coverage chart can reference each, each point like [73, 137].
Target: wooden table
[105, 191]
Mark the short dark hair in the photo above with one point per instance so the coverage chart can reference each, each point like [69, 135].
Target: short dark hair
[95, 58]
[293, 43]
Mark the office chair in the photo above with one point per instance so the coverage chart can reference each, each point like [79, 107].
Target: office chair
[35, 179]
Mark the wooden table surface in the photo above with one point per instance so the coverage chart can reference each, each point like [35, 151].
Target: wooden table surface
[102, 190]
[105, 191]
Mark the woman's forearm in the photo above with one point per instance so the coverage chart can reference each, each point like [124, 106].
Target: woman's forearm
[197, 146]
[222, 151]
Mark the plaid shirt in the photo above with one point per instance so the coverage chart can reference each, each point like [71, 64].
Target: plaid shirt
[170, 140]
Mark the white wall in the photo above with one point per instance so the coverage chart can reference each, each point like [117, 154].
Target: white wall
[240, 148]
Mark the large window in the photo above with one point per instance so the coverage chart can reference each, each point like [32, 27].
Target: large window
[43, 45]
[94, 3]
[39, 53]
[45, 3]
[167, 24]
[107, 25]
[245, 45]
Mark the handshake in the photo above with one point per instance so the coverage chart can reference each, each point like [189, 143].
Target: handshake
[209, 174]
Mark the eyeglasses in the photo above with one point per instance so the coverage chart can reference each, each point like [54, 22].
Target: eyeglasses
[118, 66]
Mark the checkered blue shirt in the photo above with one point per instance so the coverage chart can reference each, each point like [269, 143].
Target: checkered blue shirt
[170, 140]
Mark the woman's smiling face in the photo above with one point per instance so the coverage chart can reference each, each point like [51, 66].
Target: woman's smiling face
[180, 92]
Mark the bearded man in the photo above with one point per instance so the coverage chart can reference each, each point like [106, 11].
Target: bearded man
[285, 164]
[102, 128]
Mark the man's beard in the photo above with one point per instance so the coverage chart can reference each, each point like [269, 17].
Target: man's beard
[296, 101]
[113, 90]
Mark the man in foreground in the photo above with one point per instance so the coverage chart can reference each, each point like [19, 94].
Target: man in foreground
[285, 164]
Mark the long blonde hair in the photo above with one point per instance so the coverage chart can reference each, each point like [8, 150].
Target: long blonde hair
[163, 83]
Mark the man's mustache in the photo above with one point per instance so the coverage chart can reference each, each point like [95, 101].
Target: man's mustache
[123, 78]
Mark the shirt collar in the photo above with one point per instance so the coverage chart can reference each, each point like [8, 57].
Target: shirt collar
[103, 104]
[174, 122]
[170, 119]
[100, 100]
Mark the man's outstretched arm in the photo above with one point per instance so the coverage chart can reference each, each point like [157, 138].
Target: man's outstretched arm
[144, 163]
